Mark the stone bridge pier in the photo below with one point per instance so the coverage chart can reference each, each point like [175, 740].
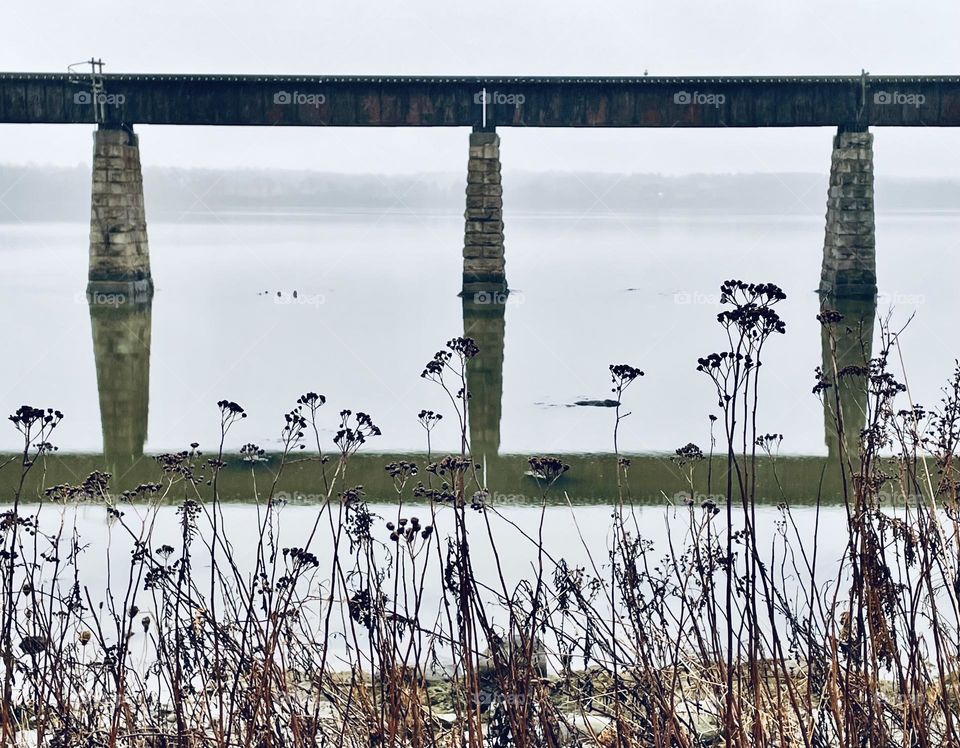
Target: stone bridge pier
[483, 259]
[119, 253]
[849, 246]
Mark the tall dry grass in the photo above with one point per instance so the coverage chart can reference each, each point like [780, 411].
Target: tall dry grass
[388, 631]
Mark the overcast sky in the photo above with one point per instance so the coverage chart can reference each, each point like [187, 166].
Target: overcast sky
[497, 37]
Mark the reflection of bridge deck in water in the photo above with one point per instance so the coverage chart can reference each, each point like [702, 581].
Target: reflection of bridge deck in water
[121, 337]
[592, 478]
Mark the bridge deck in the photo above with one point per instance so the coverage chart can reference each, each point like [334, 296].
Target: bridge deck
[458, 101]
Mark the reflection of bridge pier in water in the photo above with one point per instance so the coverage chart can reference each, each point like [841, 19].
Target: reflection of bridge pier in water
[845, 344]
[484, 322]
[122, 335]
[121, 347]
[848, 343]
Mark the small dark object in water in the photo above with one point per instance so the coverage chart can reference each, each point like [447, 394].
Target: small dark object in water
[598, 403]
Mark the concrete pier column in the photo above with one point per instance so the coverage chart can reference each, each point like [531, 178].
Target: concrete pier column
[483, 321]
[121, 350]
[119, 253]
[849, 246]
[483, 259]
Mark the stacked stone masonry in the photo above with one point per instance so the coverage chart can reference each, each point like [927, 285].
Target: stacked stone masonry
[119, 252]
[483, 258]
[849, 249]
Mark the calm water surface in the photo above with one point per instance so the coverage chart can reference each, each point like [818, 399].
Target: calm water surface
[376, 296]
[585, 531]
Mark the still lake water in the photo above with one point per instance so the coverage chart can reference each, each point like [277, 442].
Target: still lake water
[585, 532]
[376, 296]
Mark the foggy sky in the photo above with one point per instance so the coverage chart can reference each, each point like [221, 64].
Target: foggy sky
[498, 37]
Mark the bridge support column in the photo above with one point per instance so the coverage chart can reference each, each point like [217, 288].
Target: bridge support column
[849, 247]
[119, 253]
[483, 258]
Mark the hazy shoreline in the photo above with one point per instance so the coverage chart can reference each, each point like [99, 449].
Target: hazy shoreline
[45, 193]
